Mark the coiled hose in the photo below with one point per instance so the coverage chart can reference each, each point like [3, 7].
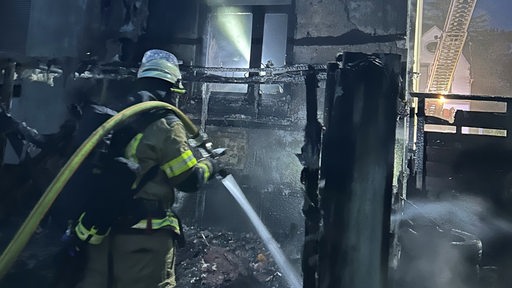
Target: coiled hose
[20, 240]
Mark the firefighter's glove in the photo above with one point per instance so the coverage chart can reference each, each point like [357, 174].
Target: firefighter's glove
[215, 168]
[218, 169]
[208, 169]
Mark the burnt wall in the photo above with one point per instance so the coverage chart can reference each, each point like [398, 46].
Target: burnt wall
[263, 162]
[326, 27]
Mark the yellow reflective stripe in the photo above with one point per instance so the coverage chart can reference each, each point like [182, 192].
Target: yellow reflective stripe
[89, 235]
[206, 171]
[131, 148]
[159, 223]
[131, 153]
[180, 164]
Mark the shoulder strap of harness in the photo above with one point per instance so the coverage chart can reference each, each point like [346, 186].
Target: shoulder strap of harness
[124, 134]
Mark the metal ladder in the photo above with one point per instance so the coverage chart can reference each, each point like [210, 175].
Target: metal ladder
[450, 46]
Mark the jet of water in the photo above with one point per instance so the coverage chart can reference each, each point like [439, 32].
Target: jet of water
[287, 270]
[204, 107]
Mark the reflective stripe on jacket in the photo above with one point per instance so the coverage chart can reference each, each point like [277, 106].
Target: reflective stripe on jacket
[162, 143]
[89, 234]
[169, 221]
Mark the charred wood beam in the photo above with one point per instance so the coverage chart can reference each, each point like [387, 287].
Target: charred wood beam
[330, 91]
[353, 37]
[274, 79]
[5, 100]
[509, 115]
[491, 120]
[419, 153]
[463, 97]
[7, 84]
[267, 70]
[253, 124]
[310, 159]
[275, 75]
[258, 23]
[482, 119]
[459, 142]
[356, 198]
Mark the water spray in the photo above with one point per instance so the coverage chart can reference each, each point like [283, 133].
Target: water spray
[290, 274]
[286, 268]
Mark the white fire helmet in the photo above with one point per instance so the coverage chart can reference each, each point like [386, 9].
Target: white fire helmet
[162, 65]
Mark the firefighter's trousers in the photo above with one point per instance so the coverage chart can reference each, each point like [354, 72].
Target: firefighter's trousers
[135, 260]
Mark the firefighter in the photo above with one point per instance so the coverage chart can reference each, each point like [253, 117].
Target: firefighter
[139, 249]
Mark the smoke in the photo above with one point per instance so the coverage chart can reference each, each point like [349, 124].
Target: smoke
[442, 241]
[434, 264]
[468, 213]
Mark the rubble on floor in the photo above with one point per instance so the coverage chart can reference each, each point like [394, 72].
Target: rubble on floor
[225, 259]
[210, 259]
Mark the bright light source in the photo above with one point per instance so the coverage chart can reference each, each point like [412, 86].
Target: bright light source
[231, 24]
[229, 38]
[442, 99]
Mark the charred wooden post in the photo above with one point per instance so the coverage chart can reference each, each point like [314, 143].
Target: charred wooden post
[509, 126]
[258, 22]
[310, 159]
[330, 91]
[355, 200]
[419, 153]
[5, 100]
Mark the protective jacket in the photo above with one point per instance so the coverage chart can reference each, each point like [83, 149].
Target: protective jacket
[161, 151]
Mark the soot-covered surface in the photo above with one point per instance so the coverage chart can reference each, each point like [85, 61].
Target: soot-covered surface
[212, 258]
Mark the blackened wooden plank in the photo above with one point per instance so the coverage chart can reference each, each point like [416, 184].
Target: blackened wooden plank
[464, 97]
[462, 141]
[436, 120]
[482, 119]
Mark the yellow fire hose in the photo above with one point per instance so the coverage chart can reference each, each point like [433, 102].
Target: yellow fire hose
[28, 227]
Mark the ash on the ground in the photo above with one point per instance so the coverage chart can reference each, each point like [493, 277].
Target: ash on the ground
[217, 259]
[211, 258]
